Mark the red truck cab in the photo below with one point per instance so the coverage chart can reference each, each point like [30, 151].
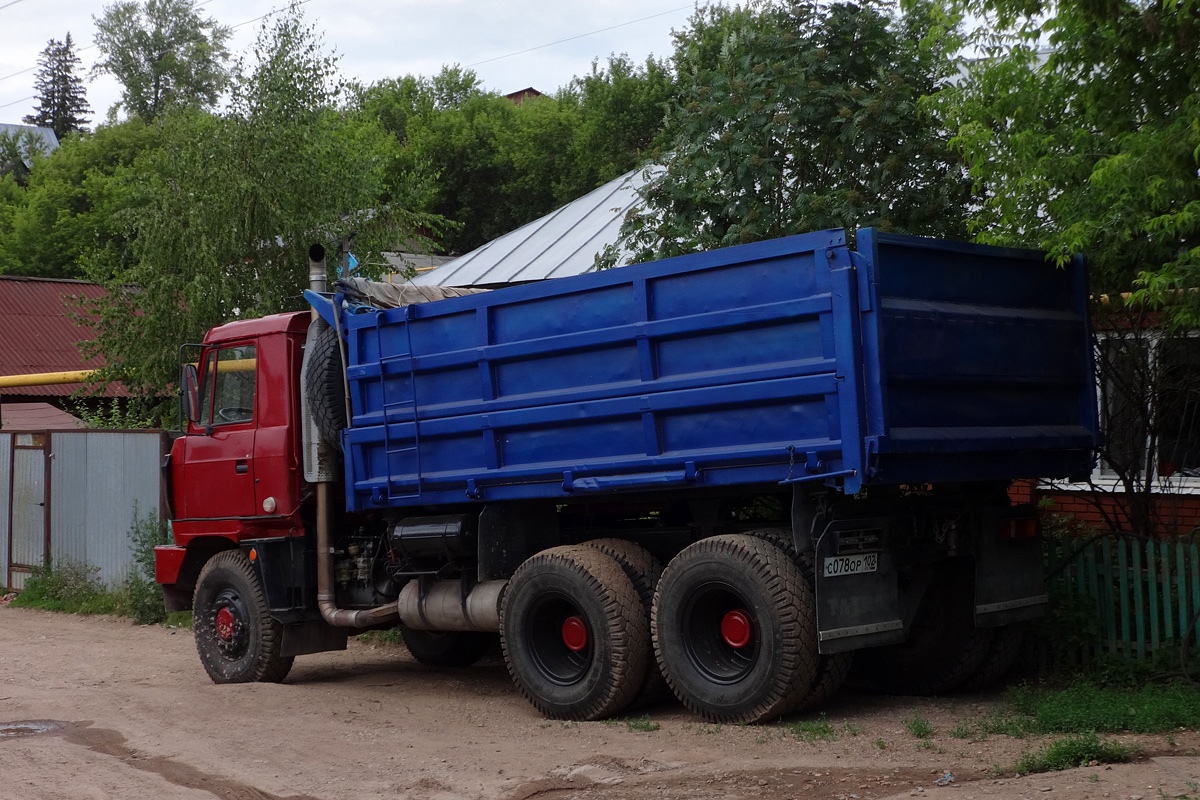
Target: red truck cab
[236, 474]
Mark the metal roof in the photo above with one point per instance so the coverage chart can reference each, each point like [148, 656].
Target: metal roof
[564, 242]
[37, 333]
[36, 417]
[47, 141]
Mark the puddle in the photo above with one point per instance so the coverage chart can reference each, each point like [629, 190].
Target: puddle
[29, 727]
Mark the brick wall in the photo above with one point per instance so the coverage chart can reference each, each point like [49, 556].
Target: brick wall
[1180, 513]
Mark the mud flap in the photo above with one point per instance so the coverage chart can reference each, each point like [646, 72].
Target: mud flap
[856, 609]
[1010, 583]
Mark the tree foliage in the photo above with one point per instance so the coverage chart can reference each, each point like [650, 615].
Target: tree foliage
[164, 53]
[73, 203]
[62, 100]
[1093, 145]
[490, 165]
[795, 116]
[226, 206]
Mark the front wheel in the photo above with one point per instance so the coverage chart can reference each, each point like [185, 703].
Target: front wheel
[574, 633]
[735, 629]
[236, 637]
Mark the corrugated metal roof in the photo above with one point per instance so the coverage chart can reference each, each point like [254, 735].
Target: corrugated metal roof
[36, 417]
[564, 242]
[47, 141]
[38, 335]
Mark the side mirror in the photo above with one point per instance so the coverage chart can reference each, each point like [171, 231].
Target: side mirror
[189, 392]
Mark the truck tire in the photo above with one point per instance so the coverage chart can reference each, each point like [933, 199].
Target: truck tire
[735, 629]
[833, 668]
[574, 633]
[324, 386]
[446, 648]
[1001, 655]
[944, 648]
[644, 571]
[236, 637]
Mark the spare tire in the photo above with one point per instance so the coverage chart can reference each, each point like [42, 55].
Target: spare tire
[324, 384]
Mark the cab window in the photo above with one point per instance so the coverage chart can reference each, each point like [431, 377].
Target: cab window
[227, 392]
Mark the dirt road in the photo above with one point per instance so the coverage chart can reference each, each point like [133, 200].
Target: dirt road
[97, 708]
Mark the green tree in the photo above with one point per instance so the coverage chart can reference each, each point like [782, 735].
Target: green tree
[73, 203]
[1093, 145]
[18, 149]
[226, 207]
[62, 101]
[164, 53]
[794, 116]
[621, 112]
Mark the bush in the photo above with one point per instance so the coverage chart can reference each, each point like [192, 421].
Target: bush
[145, 597]
[69, 587]
[76, 588]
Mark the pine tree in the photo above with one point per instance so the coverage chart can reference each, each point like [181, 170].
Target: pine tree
[61, 99]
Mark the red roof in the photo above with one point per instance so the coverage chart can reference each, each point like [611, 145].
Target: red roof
[38, 334]
[36, 417]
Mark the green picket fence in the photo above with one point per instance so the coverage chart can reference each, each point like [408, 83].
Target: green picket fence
[1124, 597]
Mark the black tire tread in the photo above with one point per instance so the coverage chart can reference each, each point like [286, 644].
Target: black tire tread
[324, 386]
[1001, 655]
[832, 669]
[644, 571]
[446, 649]
[622, 608]
[269, 666]
[792, 597]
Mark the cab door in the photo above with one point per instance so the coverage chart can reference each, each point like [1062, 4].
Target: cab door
[220, 444]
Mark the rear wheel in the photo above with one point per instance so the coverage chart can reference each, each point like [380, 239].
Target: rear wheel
[833, 668]
[943, 648]
[236, 637]
[446, 648]
[735, 629]
[574, 633]
[1001, 655]
[644, 571]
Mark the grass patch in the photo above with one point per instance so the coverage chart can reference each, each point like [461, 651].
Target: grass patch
[961, 731]
[1077, 750]
[389, 636]
[918, 726]
[643, 724]
[68, 587]
[1085, 706]
[179, 619]
[810, 730]
[880, 743]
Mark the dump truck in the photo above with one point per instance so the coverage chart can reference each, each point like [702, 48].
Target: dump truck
[724, 476]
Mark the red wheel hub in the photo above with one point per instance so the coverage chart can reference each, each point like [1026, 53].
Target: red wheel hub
[736, 628]
[574, 634]
[225, 624]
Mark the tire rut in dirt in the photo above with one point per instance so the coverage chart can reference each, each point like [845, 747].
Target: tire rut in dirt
[644, 571]
[574, 633]
[735, 629]
[236, 637]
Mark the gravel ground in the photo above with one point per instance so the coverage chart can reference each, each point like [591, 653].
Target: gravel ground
[93, 707]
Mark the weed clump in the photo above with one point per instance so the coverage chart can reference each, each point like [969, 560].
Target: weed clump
[1077, 750]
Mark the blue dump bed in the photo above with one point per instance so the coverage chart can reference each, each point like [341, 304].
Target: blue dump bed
[909, 361]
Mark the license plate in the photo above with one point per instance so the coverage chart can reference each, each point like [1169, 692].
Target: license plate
[851, 565]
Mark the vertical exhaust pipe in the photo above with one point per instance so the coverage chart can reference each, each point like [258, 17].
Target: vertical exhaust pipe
[326, 599]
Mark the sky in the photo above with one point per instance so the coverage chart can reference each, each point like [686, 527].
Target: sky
[377, 39]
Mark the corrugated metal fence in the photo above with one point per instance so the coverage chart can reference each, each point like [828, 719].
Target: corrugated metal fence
[1125, 596]
[73, 494]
